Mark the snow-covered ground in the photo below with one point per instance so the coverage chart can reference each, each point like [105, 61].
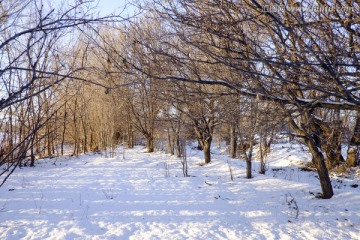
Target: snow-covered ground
[138, 195]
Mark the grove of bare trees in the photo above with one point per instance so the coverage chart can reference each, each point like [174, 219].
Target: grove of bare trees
[181, 70]
[40, 63]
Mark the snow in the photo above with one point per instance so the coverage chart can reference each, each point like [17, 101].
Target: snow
[138, 195]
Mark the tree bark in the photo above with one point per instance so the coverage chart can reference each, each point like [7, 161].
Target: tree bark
[178, 146]
[233, 141]
[248, 168]
[204, 141]
[249, 158]
[325, 182]
[171, 143]
[130, 135]
[32, 154]
[150, 143]
[313, 142]
[48, 137]
[85, 137]
[268, 142]
[32, 158]
[63, 131]
[76, 137]
[263, 145]
[207, 154]
[200, 147]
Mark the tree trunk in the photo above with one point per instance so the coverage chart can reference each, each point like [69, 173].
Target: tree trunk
[85, 134]
[171, 143]
[21, 146]
[204, 138]
[267, 143]
[32, 155]
[75, 152]
[206, 148]
[38, 146]
[262, 153]
[200, 147]
[233, 142]
[325, 182]
[130, 136]
[313, 142]
[248, 168]
[48, 137]
[63, 136]
[91, 140]
[316, 142]
[150, 143]
[178, 146]
[53, 148]
[32, 158]
[249, 158]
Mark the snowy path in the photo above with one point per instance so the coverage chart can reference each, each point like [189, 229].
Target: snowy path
[92, 197]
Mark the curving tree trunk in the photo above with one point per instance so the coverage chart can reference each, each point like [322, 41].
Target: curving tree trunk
[310, 133]
[326, 187]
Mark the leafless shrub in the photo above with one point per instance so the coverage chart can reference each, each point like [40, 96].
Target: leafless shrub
[167, 168]
[230, 170]
[108, 193]
[184, 161]
[291, 202]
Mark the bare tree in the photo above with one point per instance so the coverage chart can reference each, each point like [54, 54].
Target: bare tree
[295, 59]
[33, 66]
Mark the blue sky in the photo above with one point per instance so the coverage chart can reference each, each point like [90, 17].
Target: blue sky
[105, 7]
[111, 6]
